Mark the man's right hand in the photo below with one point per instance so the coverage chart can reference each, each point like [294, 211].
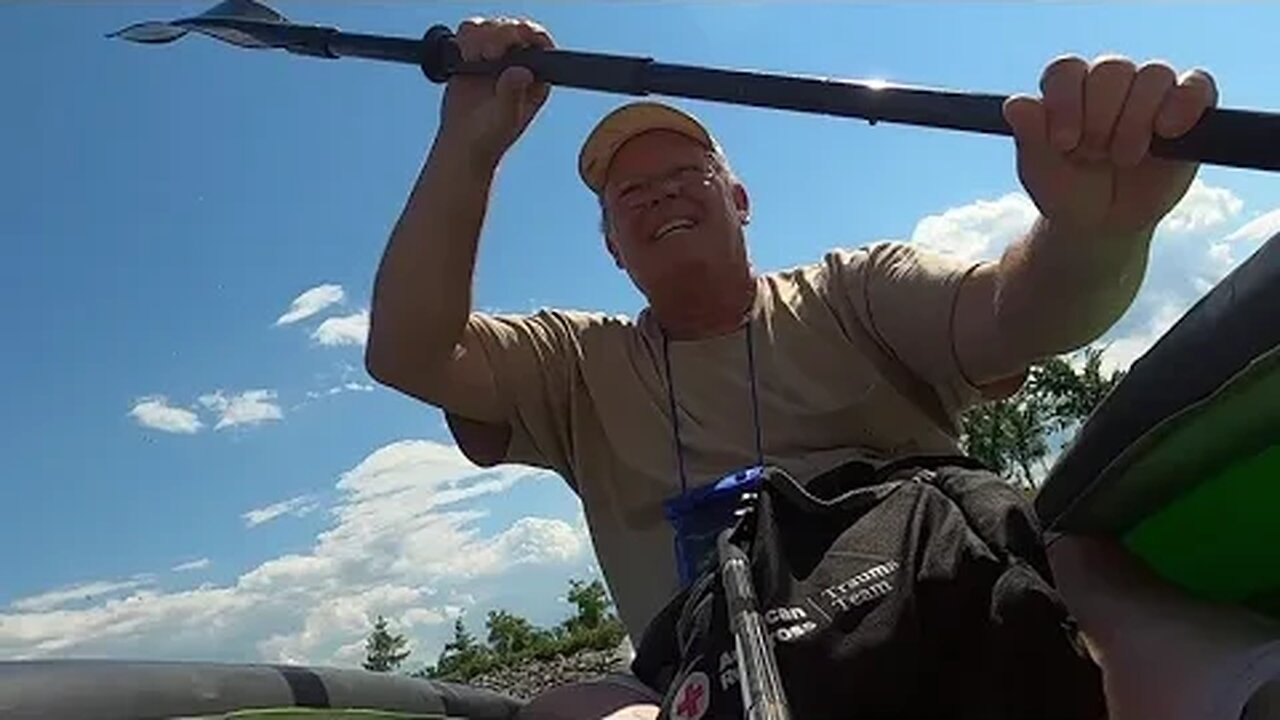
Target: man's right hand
[485, 113]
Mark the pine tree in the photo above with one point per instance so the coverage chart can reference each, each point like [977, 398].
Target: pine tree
[384, 650]
[463, 657]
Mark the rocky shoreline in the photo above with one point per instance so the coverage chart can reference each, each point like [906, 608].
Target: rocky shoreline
[529, 679]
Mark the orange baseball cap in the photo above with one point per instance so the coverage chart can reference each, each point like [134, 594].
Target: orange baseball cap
[626, 122]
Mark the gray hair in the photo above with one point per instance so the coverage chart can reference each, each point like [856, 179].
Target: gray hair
[718, 159]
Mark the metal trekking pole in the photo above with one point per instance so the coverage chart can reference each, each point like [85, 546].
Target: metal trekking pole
[763, 696]
[1223, 136]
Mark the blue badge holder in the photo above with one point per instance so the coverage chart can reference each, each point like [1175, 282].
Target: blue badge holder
[699, 515]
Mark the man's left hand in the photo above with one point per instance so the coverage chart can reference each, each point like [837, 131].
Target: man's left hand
[1083, 147]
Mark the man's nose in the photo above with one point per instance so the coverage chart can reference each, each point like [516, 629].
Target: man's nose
[666, 187]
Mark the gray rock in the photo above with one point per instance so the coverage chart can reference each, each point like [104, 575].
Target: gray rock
[532, 678]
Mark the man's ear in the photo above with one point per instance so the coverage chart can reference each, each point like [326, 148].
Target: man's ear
[613, 251]
[742, 202]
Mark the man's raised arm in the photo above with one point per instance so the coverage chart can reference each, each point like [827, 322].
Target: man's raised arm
[418, 339]
[1083, 156]
[422, 291]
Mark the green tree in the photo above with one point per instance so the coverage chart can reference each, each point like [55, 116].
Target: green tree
[1073, 394]
[462, 658]
[1008, 435]
[592, 625]
[463, 642]
[592, 603]
[512, 640]
[1013, 435]
[384, 650]
[513, 636]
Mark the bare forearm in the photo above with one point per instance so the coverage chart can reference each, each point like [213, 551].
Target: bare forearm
[1058, 290]
[422, 291]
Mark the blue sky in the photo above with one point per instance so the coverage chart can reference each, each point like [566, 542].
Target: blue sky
[162, 209]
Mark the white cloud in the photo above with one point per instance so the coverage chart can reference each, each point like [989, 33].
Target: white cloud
[54, 599]
[979, 230]
[156, 413]
[251, 407]
[311, 302]
[530, 541]
[345, 616]
[1184, 266]
[405, 541]
[1258, 229]
[418, 616]
[1202, 208]
[200, 564]
[1122, 351]
[1219, 261]
[1186, 258]
[339, 389]
[983, 228]
[343, 330]
[297, 507]
[192, 616]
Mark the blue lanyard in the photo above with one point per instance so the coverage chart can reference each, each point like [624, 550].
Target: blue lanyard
[675, 417]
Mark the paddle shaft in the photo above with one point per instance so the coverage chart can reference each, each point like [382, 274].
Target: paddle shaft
[1235, 138]
[1230, 137]
[759, 679]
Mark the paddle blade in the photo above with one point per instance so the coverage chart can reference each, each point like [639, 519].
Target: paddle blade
[150, 33]
[157, 32]
[234, 36]
[243, 10]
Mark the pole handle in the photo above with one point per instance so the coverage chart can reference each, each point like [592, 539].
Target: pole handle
[441, 60]
[1223, 136]
[440, 55]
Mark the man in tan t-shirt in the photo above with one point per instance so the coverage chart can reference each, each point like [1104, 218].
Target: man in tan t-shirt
[866, 353]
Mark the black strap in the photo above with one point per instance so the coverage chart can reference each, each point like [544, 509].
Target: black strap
[307, 687]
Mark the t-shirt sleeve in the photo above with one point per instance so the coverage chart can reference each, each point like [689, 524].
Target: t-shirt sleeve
[905, 296]
[535, 361]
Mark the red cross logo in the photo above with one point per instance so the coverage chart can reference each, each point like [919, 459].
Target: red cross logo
[691, 698]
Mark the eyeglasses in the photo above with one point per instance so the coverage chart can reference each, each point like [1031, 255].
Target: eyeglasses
[636, 194]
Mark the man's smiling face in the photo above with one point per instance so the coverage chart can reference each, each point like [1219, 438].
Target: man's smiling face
[671, 209]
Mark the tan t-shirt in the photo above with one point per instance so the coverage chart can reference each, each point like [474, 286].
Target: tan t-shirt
[853, 358]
